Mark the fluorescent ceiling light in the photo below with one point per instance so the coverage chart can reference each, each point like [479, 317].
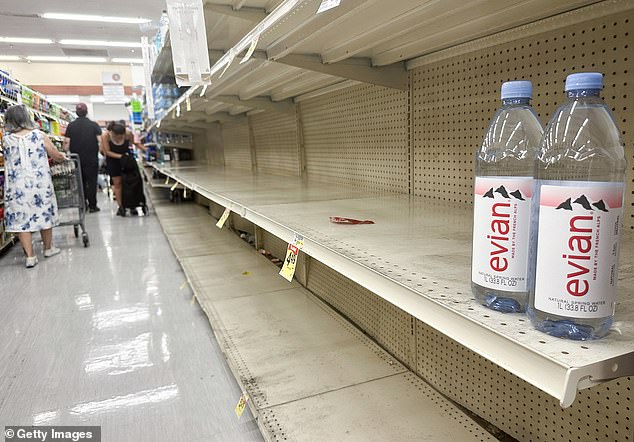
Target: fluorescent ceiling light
[26, 40]
[66, 59]
[9, 57]
[101, 18]
[113, 44]
[127, 60]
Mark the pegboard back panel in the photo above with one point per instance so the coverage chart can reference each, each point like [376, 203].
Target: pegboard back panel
[388, 325]
[237, 150]
[601, 413]
[453, 99]
[276, 143]
[358, 137]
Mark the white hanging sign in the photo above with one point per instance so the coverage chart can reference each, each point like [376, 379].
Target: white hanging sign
[147, 73]
[327, 4]
[113, 91]
[188, 38]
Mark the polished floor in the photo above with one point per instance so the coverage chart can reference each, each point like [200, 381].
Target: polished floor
[109, 335]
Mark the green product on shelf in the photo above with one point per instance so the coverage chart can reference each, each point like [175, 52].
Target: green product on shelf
[27, 97]
[136, 106]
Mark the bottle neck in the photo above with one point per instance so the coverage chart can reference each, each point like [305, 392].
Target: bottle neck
[578, 93]
[516, 101]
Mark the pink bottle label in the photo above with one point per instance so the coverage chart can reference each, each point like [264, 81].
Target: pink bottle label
[578, 249]
[501, 222]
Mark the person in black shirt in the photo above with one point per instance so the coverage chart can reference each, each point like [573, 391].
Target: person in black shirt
[83, 137]
[116, 142]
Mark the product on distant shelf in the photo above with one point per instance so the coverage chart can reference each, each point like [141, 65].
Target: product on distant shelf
[27, 97]
[55, 127]
[8, 87]
[577, 215]
[502, 201]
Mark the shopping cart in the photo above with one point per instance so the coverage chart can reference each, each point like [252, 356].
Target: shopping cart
[69, 191]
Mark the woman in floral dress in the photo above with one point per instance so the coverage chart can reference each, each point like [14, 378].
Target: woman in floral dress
[29, 197]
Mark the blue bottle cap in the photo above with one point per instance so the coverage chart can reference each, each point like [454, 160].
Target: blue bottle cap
[584, 80]
[517, 89]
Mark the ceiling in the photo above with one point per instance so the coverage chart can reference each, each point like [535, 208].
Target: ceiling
[19, 18]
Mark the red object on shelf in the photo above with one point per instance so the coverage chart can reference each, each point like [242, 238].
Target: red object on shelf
[342, 220]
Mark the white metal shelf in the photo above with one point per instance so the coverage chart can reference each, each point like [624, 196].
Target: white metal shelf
[177, 146]
[247, 315]
[417, 256]
[153, 183]
[300, 52]
[9, 242]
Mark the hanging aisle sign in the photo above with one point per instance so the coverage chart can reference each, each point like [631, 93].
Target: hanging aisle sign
[188, 38]
[113, 91]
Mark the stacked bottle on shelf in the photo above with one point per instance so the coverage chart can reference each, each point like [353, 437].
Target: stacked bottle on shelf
[548, 211]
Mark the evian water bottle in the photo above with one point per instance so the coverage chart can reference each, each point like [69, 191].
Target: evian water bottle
[502, 200]
[577, 215]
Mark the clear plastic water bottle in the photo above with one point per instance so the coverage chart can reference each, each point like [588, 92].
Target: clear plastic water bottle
[502, 200]
[164, 24]
[577, 215]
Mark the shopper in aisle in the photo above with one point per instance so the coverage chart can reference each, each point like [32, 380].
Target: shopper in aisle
[116, 143]
[82, 137]
[29, 197]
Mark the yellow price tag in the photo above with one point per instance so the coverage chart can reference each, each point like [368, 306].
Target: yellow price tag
[188, 104]
[242, 404]
[174, 186]
[167, 180]
[223, 218]
[290, 262]
[254, 44]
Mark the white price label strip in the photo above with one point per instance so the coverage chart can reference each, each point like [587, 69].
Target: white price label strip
[290, 262]
[188, 104]
[167, 180]
[174, 186]
[223, 218]
[242, 404]
[327, 4]
[254, 44]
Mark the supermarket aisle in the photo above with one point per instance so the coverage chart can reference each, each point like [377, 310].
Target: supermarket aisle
[108, 336]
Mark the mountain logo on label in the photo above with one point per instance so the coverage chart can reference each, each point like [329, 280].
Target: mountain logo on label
[583, 202]
[517, 194]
